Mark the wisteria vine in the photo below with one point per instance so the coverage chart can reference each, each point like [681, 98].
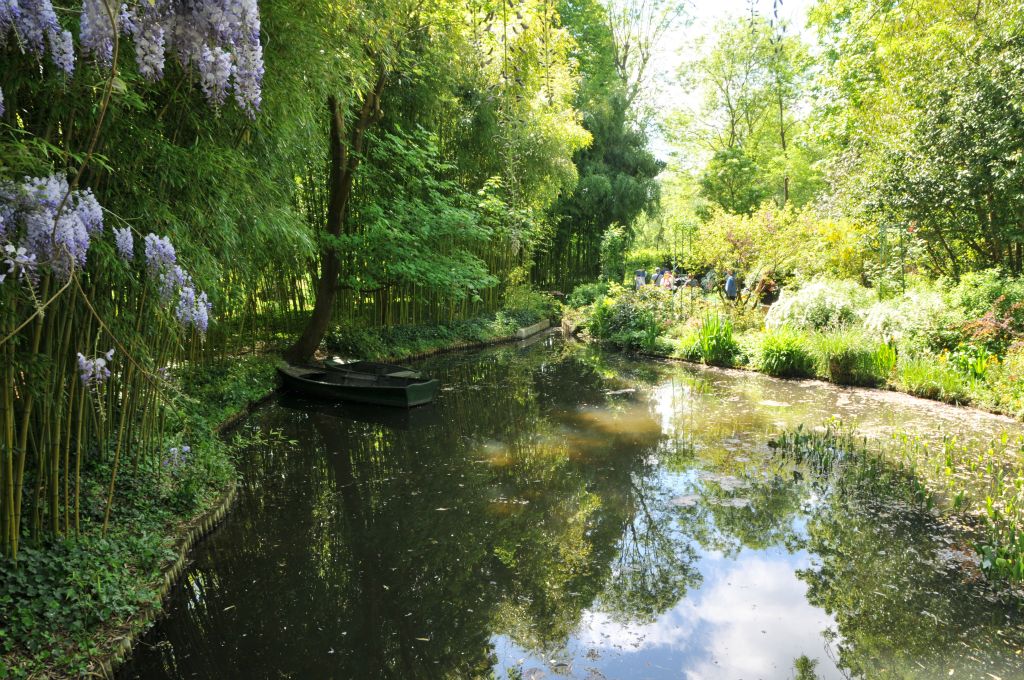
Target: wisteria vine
[38, 233]
[219, 39]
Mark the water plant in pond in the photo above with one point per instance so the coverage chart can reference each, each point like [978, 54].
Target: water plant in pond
[984, 486]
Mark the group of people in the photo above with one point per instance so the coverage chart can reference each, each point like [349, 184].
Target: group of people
[674, 279]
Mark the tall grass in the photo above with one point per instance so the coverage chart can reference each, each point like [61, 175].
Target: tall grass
[926, 376]
[847, 358]
[714, 343]
[785, 353]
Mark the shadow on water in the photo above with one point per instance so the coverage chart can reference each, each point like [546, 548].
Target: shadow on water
[561, 512]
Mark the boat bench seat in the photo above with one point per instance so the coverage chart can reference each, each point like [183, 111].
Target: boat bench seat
[403, 374]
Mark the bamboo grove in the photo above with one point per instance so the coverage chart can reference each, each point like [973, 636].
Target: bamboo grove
[166, 189]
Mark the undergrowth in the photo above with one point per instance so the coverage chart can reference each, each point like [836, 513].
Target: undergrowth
[67, 600]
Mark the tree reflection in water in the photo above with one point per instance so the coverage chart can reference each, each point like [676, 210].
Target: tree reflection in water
[536, 495]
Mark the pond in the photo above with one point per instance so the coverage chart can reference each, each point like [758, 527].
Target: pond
[561, 512]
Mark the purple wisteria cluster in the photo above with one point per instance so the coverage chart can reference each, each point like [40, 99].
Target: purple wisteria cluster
[220, 39]
[177, 456]
[193, 307]
[94, 371]
[43, 225]
[48, 224]
[32, 26]
[125, 243]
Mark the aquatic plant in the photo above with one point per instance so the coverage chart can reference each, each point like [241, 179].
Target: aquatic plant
[983, 484]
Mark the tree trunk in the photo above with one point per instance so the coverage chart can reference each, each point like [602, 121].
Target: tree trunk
[344, 157]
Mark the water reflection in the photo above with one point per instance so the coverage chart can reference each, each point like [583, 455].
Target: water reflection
[569, 513]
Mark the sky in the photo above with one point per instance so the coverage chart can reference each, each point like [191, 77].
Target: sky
[678, 46]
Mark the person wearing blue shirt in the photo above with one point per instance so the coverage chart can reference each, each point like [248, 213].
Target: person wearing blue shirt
[730, 286]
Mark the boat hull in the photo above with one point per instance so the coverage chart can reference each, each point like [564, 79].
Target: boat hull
[371, 390]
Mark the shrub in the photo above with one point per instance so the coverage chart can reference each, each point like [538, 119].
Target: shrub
[932, 378]
[1006, 382]
[586, 294]
[971, 360]
[531, 305]
[819, 305]
[914, 318]
[631, 319]
[785, 353]
[847, 358]
[977, 292]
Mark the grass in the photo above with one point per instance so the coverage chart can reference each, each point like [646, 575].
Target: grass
[785, 353]
[926, 376]
[847, 358]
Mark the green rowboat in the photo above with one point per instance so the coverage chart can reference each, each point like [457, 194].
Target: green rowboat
[365, 388]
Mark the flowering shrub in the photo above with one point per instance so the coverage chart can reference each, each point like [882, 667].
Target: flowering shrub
[915, 316]
[821, 304]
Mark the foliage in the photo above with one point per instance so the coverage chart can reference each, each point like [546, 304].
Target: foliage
[396, 342]
[613, 254]
[585, 294]
[616, 171]
[819, 305]
[631, 319]
[927, 376]
[524, 302]
[921, 104]
[714, 343]
[1006, 383]
[769, 242]
[751, 124]
[69, 596]
[913, 319]
[849, 358]
[786, 354]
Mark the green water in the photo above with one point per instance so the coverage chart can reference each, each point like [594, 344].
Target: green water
[564, 513]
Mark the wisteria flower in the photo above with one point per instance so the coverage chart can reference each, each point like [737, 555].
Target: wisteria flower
[159, 252]
[177, 456]
[21, 262]
[193, 309]
[125, 243]
[94, 372]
